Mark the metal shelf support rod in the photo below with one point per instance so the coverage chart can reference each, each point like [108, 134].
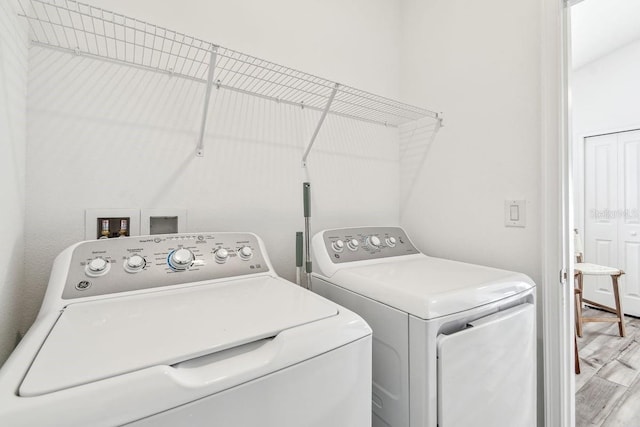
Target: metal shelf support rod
[319, 125]
[207, 97]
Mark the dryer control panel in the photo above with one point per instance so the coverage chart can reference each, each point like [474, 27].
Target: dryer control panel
[108, 266]
[363, 243]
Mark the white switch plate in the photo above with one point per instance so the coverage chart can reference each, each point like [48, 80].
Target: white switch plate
[146, 214]
[515, 213]
[91, 220]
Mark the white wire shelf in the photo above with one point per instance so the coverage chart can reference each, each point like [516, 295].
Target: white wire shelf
[83, 29]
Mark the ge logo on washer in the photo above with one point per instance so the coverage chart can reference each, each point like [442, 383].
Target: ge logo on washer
[83, 285]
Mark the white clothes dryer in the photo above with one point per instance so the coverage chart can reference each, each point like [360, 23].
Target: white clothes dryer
[454, 344]
[185, 329]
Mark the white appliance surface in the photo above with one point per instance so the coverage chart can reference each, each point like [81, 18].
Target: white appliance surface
[187, 329]
[402, 277]
[454, 344]
[125, 334]
[428, 287]
[462, 379]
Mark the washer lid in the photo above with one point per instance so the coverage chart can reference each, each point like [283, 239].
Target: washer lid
[99, 339]
[429, 287]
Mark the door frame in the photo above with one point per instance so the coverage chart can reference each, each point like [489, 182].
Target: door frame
[556, 213]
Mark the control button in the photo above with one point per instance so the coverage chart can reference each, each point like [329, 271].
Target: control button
[97, 267]
[373, 241]
[391, 242]
[338, 245]
[157, 239]
[353, 244]
[180, 259]
[135, 263]
[221, 255]
[245, 253]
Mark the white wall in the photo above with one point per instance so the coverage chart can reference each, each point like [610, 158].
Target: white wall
[103, 135]
[479, 63]
[13, 92]
[354, 42]
[604, 95]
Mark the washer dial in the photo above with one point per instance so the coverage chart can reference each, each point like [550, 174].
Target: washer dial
[221, 255]
[180, 259]
[97, 267]
[245, 253]
[353, 244]
[338, 245]
[135, 263]
[391, 242]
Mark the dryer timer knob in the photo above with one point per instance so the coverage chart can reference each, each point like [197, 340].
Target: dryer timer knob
[373, 241]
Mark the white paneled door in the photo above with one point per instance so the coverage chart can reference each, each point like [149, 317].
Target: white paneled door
[612, 215]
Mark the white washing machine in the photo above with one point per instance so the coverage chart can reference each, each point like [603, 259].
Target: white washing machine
[454, 344]
[186, 329]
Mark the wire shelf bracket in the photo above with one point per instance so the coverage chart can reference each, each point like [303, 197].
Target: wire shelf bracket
[82, 29]
[319, 125]
[207, 98]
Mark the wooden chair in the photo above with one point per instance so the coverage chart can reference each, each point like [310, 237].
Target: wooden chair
[587, 269]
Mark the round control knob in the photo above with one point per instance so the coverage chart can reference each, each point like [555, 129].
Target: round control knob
[180, 259]
[97, 267]
[373, 241]
[353, 244]
[338, 245]
[245, 253]
[221, 255]
[391, 242]
[135, 263]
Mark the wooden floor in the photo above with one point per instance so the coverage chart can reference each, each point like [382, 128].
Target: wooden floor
[608, 389]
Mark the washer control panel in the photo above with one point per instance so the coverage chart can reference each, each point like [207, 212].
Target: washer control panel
[358, 244]
[108, 266]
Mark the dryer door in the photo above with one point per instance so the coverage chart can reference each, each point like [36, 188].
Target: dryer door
[487, 372]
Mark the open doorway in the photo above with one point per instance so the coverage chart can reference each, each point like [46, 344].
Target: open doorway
[605, 117]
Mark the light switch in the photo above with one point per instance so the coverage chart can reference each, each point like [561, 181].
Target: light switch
[514, 213]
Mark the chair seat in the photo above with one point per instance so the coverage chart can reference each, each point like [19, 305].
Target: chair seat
[595, 269]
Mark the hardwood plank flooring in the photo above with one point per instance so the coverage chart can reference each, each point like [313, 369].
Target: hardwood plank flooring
[608, 387]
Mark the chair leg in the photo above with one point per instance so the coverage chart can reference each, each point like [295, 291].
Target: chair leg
[576, 357]
[579, 305]
[619, 312]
